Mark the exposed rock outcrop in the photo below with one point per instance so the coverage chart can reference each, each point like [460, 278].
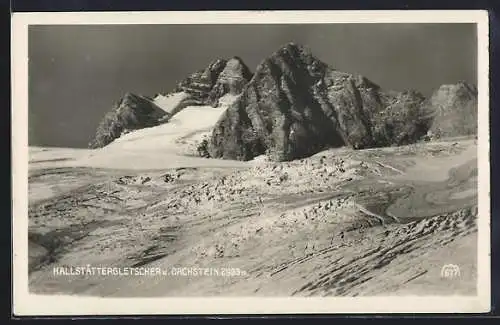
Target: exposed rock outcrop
[199, 84]
[231, 80]
[295, 105]
[204, 87]
[132, 112]
[455, 108]
[221, 77]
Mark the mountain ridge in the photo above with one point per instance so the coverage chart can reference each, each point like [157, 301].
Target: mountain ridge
[455, 109]
[131, 112]
[294, 105]
[203, 87]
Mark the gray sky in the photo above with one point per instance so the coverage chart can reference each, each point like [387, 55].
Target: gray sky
[77, 73]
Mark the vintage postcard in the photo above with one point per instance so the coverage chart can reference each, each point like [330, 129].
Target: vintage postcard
[250, 162]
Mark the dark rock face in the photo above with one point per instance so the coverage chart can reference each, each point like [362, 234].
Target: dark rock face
[199, 84]
[295, 105]
[132, 112]
[231, 80]
[455, 108]
[221, 77]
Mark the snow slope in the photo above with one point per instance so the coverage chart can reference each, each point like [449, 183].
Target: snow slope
[342, 223]
[170, 102]
[169, 145]
[184, 128]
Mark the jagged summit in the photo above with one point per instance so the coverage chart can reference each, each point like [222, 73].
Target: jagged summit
[129, 97]
[294, 51]
[200, 83]
[295, 105]
[132, 112]
[455, 109]
[293, 47]
[236, 65]
[222, 76]
[462, 88]
[203, 87]
[231, 80]
[289, 60]
[237, 59]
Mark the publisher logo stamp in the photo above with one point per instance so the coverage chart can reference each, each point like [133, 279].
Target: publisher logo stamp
[450, 271]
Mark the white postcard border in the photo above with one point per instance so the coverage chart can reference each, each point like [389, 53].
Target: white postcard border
[25, 303]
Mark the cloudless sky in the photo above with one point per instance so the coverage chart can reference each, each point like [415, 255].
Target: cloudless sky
[77, 73]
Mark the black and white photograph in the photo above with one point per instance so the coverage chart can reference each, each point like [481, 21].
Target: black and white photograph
[202, 156]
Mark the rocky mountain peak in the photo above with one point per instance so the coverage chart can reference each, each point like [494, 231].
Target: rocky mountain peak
[455, 109]
[130, 99]
[231, 80]
[200, 83]
[293, 49]
[220, 77]
[132, 112]
[214, 69]
[297, 105]
[203, 87]
[292, 59]
[460, 90]
[236, 68]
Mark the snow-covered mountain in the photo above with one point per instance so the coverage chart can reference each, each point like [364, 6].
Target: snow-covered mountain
[293, 106]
